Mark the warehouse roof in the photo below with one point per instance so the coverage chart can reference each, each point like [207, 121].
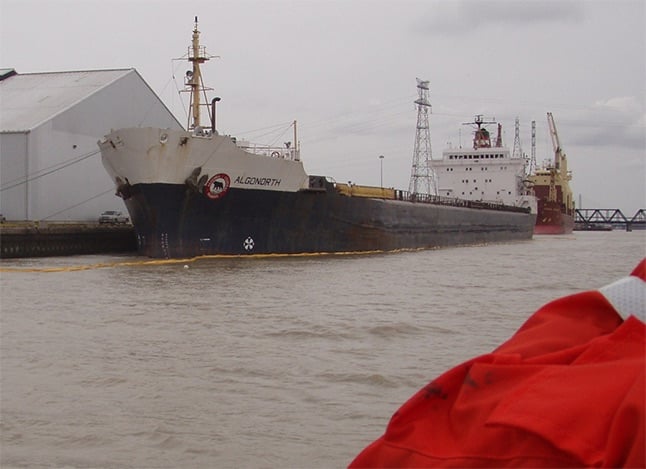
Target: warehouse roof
[27, 100]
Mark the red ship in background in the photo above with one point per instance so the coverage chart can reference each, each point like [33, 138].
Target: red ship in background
[551, 185]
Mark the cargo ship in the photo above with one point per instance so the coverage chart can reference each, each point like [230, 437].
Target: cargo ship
[551, 184]
[485, 172]
[196, 192]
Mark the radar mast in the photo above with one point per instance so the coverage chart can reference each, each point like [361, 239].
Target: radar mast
[193, 83]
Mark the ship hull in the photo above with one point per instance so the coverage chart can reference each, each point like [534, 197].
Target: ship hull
[175, 221]
[551, 220]
[190, 195]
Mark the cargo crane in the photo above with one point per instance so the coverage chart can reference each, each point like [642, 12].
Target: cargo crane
[560, 163]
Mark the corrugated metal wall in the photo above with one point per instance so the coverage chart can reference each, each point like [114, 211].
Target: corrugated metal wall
[13, 175]
[54, 171]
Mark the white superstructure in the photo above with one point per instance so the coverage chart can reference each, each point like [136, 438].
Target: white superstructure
[486, 172]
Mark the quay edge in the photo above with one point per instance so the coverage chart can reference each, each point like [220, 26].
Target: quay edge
[45, 239]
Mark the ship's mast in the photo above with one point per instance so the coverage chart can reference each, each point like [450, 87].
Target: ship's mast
[481, 137]
[193, 81]
[422, 178]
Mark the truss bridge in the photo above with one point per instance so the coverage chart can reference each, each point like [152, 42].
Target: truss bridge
[608, 218]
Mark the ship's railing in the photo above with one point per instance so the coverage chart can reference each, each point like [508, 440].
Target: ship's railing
[454, 202]
[270, 151]
[352, 190]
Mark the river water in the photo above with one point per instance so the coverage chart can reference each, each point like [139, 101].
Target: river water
[119, 362]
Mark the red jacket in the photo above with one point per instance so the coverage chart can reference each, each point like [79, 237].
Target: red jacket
[567, 389]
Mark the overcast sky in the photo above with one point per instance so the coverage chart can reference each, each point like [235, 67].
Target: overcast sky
[345, 70]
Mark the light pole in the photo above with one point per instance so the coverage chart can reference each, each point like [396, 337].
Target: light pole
[381, 163]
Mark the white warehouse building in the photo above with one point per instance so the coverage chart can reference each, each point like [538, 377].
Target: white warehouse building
[50, 164]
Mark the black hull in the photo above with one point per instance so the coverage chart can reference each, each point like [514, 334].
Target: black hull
[175, 221]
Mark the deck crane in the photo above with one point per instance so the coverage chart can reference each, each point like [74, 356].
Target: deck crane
[560, 160]
[556, 144]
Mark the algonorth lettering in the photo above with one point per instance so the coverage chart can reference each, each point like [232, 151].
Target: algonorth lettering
[257, 181]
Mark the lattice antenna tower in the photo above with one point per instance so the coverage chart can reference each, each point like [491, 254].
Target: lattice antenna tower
[517, 152]
[422, 177]
[532, 161]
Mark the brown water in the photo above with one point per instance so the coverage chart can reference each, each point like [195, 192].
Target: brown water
[276, 362]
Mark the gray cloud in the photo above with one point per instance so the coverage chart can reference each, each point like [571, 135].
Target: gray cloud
[467, 16]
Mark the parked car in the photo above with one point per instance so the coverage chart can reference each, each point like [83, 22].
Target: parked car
[112, 217]
[2, 218]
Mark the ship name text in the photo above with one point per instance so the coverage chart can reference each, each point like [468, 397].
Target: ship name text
[257, 181]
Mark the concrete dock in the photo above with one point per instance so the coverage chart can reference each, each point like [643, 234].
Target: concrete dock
[42, 239]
